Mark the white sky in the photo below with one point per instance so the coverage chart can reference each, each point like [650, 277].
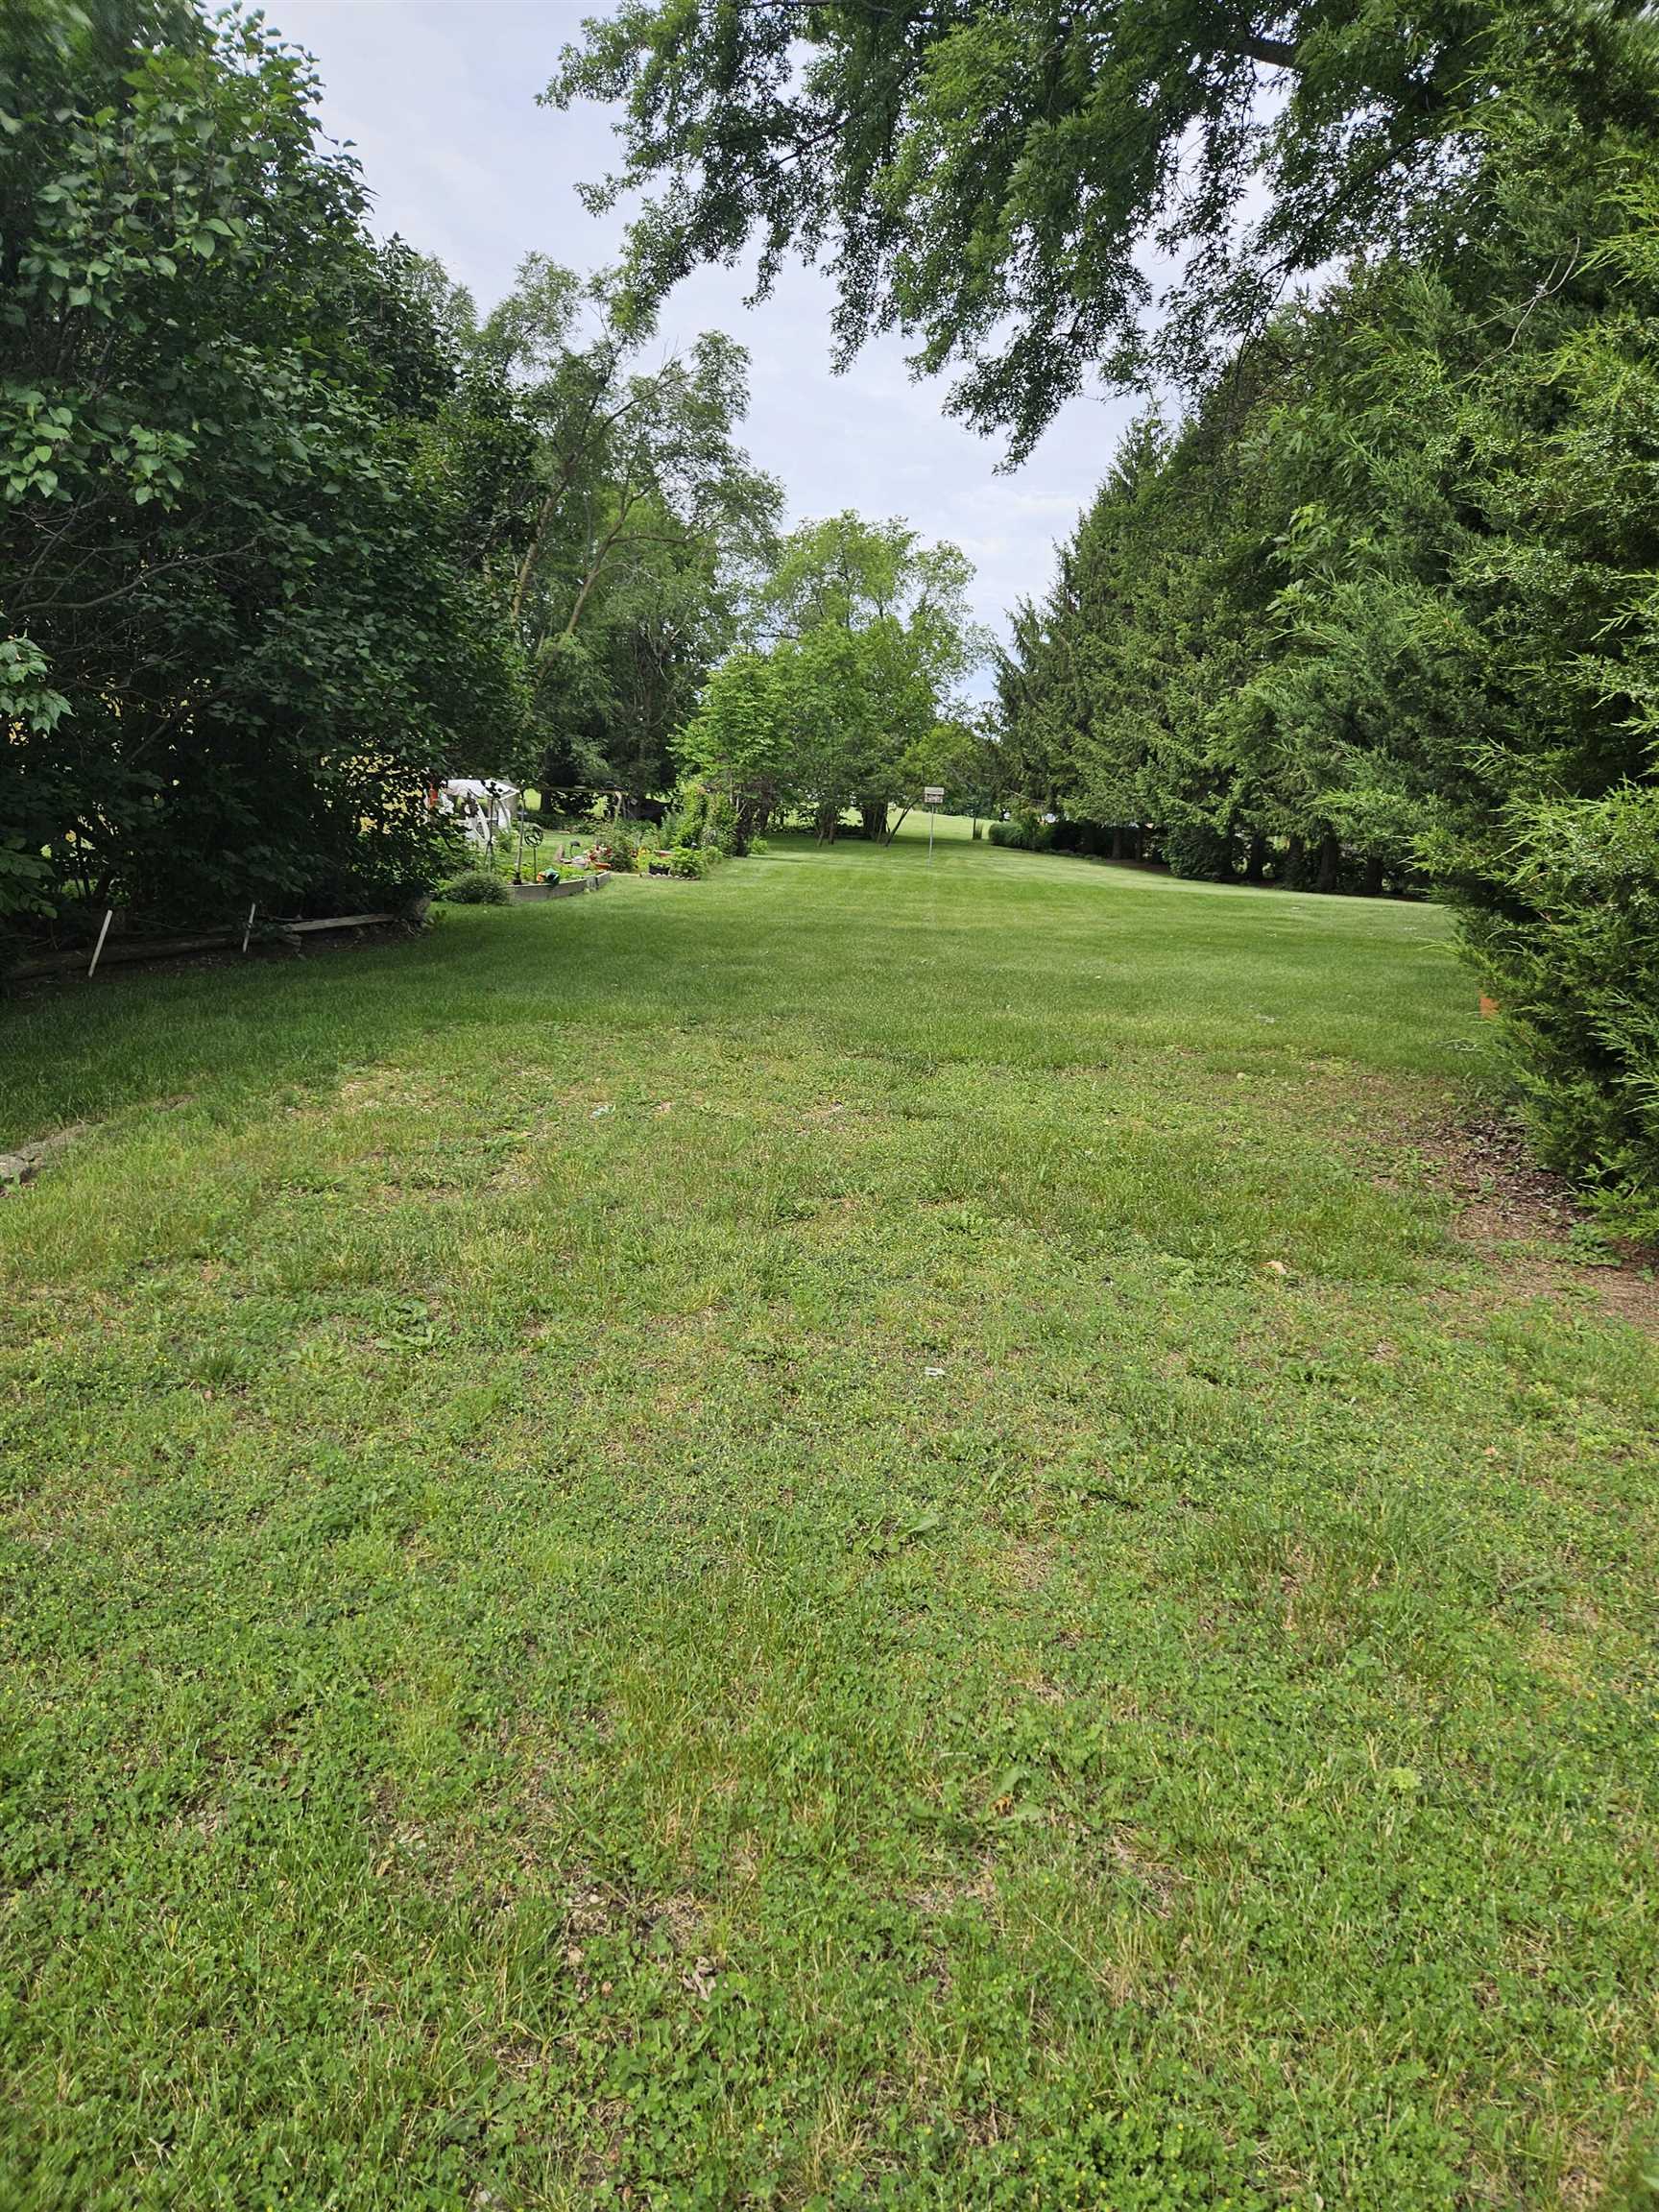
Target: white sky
[439, 98]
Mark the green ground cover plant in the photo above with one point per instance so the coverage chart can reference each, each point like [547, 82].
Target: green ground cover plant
[847, 1537]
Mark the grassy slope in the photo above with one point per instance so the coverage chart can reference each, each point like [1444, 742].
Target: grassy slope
[687, 1541]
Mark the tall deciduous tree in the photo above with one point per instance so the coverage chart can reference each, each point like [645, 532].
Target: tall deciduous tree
[890, 613]
[741, 741]
[638, 510]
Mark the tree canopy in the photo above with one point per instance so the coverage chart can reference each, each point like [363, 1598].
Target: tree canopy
[638, 516]
[1034, 190]
[241, 621]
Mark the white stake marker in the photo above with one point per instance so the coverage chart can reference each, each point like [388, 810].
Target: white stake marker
[97, 948]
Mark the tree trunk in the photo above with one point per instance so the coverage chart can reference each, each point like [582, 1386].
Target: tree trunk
[1117, 845]
[549, 508]
[1330, 861]
[1374, 875]
[1295, 862]
[1256, 858]
[873, 815]
[753, 808]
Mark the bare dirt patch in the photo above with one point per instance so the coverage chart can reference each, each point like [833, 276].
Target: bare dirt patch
[932, 1900]
[1502, 1193]
[1520, 1217]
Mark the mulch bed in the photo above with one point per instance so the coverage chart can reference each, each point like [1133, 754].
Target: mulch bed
[1502, 1192]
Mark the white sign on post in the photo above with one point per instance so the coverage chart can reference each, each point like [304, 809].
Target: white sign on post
[933, 795]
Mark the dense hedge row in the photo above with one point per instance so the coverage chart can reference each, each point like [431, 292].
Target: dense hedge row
[1572, 955]
[1384, 612]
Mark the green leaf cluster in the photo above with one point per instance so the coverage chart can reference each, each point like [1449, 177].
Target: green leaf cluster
[1030, 190]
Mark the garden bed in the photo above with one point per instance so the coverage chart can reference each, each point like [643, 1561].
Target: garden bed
[530, 894]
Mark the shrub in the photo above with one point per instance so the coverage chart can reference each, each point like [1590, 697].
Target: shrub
[1025, 830]
[619, 845]
[476, 887]
[721, 827]
[686, 823]
[1565, 929]
[689, 860]
[237, 446]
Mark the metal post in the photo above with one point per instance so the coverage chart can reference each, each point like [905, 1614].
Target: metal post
[930, 836]
[97, 948]
[249, 930]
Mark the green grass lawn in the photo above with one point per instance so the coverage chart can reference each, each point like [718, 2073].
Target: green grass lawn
[851, 1536]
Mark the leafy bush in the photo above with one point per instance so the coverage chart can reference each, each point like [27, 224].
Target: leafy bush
[706, 821]
[685, 823]
[1025, 830]
[1570, 949]
[689, 860]
[476, 887]
[341, 890]
[233, 431]
[620, 843]
[1090, 838]
[23, 879]
[720, 828]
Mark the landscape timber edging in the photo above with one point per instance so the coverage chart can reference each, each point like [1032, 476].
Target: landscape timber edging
[528, 894]
[120, 952]
[335, 922]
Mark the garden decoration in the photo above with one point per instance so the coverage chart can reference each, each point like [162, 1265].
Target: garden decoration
[530, 833]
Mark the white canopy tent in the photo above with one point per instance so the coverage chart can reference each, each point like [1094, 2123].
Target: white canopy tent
[488, 805]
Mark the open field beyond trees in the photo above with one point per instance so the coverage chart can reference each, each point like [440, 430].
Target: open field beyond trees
[854, 1535]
